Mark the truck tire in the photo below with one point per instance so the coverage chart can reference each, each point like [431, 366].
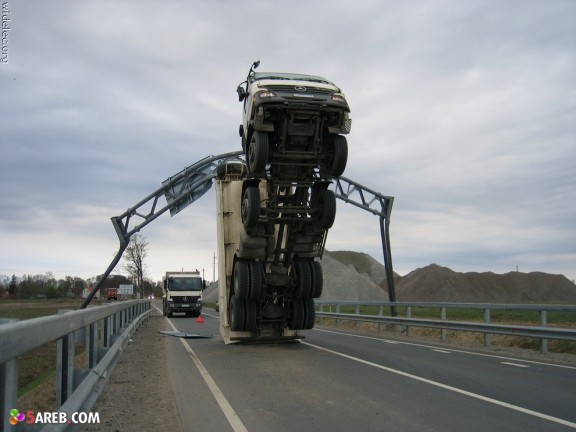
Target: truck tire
[303, 314]
[309, 314]
[303, 279]
[317, 278]
[251, 315]
[297, 315]
[237, 314]
[338, 158]
[250, 210]
[325, 203]
[241, 279]
[257, 154]
[243, 314]
[256, 280]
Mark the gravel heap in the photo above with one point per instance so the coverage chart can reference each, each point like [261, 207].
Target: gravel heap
[356, 276]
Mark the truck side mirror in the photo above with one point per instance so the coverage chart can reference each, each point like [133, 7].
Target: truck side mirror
[241, 93]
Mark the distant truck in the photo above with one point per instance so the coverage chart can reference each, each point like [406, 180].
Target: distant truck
[182, 292]
[112, 293]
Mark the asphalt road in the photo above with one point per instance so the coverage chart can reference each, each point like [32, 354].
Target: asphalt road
[335, 381]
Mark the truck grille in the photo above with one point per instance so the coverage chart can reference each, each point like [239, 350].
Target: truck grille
[295, 89]
[189, 299]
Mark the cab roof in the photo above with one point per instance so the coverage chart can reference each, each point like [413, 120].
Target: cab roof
[288, 77]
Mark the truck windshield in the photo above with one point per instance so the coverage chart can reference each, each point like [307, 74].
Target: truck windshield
[185, 284]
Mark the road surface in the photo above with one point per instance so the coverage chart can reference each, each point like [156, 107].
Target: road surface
[336, 381]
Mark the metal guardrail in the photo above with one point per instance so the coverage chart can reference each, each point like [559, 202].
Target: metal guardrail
[103, 330]
[541, 331]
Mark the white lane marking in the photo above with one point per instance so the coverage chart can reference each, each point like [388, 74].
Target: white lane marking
[515, 364]
[452, 350]
[450, 388]
[442, 351]
[225, 406]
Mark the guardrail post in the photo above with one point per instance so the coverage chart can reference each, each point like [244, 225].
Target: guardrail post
[380, 313]
[91, 346]
[443, 332]
[543, 323]
[8, 385]
[487, 336]
[8, 391]
[64, 368]
[408, 315]
[357, 312]
[337, 319]
[107, 332]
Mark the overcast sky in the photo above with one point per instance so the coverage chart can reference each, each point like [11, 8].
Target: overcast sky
[464, 111]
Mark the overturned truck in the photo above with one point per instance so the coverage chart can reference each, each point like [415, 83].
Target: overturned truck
[274, 211]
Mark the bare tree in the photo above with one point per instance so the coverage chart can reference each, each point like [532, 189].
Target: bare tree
[134, 257]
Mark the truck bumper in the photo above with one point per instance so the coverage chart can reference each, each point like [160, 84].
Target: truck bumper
[195, 308]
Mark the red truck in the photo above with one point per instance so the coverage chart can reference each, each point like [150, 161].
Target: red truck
[112, 293]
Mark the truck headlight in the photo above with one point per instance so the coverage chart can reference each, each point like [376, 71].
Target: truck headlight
[337, 97]
[265, 94]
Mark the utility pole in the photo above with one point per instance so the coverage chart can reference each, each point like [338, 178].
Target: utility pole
[214, 268]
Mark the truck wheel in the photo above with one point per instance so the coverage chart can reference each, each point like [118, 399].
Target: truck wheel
[257, 154]
[251, 315]
[338, 157]
[317, 278]
[237, 314]
[256, 281]
[303, 279]
[298, 315]
[326, 204]
[250, 210]
[309, 314]
[241, 279]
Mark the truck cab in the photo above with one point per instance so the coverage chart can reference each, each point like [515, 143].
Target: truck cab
[182, 292]
[293, 125]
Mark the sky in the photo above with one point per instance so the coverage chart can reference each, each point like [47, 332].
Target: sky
[465, 112]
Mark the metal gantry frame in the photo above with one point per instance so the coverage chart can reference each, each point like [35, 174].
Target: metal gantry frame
[187, 186]
[381, 205]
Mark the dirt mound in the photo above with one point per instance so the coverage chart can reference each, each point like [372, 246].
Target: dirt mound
[440, 284]
[363, 264]
[343, 282]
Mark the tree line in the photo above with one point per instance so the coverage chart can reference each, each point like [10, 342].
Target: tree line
[29, 286]
[47, 286]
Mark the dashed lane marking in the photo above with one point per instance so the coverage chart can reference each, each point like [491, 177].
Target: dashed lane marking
[515, 364]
